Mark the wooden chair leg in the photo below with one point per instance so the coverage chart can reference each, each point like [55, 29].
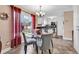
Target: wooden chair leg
[52, 43]
[37, 49]
[33, 45]
[0, 46]
[41, 51]
[49, 51]
[25, 49]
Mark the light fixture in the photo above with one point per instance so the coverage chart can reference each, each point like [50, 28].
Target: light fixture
[3, 16]
[40, 13]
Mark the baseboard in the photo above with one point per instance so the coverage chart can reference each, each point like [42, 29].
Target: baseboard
[58, 36]
[5, 50]
[66, 38]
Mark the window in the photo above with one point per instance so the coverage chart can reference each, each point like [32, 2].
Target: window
[26, 21]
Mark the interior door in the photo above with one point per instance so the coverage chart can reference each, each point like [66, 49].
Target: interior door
[68, 24]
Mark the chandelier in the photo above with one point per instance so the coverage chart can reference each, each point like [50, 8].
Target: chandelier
[40, 13]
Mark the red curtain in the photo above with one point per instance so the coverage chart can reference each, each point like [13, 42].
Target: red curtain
[33, 21]
[16, 38]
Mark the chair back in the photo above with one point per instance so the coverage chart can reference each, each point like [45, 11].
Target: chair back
[25, 41]
[46, 40]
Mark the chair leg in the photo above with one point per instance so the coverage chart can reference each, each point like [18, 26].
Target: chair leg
[33, 45]
[41, 51]
[37, 49]
[52, 43]
[49, 51]
[25, 49]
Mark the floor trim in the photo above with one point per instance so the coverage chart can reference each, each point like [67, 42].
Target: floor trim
[66, 38]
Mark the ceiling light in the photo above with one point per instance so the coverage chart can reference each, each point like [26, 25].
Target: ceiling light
[40, 13]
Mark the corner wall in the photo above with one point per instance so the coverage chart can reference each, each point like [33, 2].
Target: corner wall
[76, 27]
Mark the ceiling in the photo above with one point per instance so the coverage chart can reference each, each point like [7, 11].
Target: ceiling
[51, 10]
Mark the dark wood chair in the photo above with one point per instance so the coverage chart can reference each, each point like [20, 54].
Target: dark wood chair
[26, 43]
[0, 46]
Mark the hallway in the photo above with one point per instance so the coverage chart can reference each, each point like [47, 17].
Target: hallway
[60, 47]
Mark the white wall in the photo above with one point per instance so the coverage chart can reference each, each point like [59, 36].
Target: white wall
[59, 21]
[40, 20]
[76, 27]
[60, 25]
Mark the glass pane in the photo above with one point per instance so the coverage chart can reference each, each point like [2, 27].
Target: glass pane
[26, 21]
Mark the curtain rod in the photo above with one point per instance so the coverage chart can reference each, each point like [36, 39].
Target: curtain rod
[25, 11]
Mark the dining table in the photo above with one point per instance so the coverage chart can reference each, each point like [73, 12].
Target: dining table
[41, 43]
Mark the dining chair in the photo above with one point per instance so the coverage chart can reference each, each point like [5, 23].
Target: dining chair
[47, 43]
[29, 41]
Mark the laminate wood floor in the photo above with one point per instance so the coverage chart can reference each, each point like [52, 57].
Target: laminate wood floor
[60, 47]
